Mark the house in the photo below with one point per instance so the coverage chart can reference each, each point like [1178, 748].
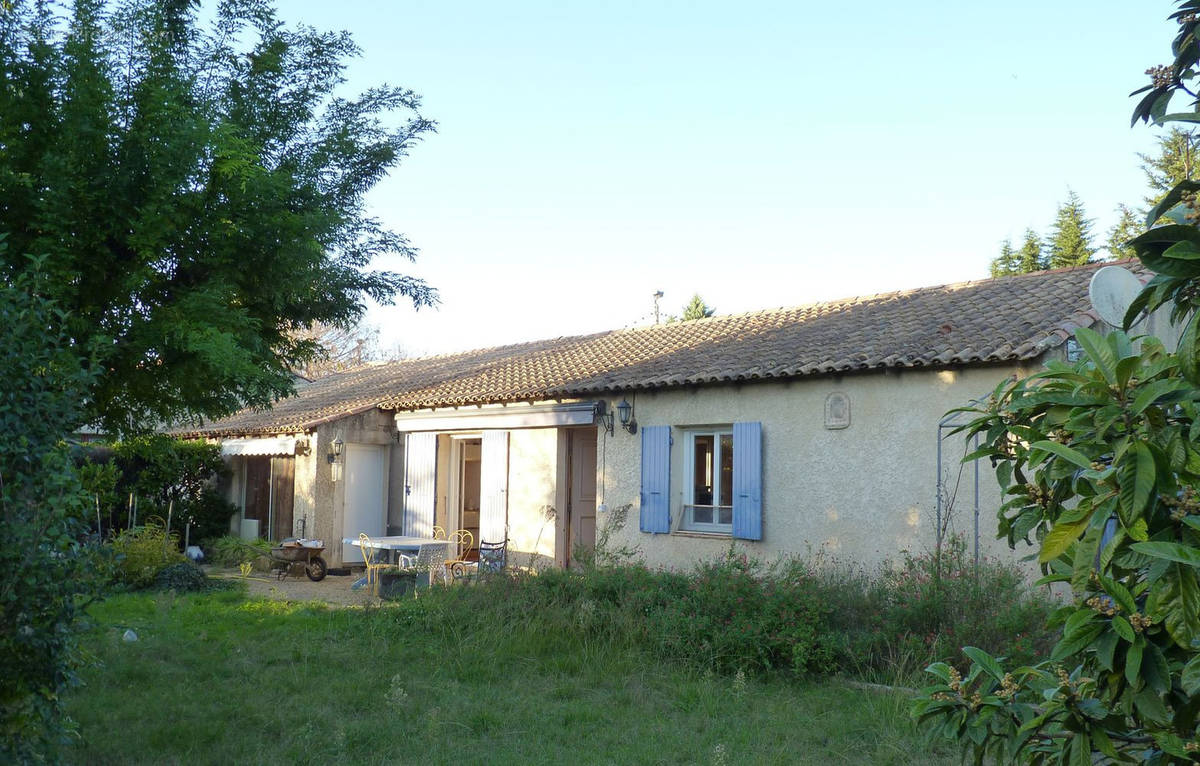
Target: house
[794, 430]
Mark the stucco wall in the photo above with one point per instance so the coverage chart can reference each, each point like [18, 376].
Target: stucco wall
[864, 493]
[532, 480]
[304, 498]
[371, 427]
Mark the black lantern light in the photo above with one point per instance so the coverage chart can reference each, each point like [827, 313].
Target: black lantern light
[625, 415]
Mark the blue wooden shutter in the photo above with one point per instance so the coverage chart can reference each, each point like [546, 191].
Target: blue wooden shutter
[656, 479]
[493, 487]
[747, 481]
[420, 483]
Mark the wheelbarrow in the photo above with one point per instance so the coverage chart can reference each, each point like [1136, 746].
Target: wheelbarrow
[306, 552]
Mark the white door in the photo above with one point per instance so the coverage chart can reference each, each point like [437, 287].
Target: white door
[365, 508]
[420, 484]
[493, 490]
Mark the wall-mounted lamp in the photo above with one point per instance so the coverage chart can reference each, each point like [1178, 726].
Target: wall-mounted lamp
[625, 414]
[604, 418]
[335, 451]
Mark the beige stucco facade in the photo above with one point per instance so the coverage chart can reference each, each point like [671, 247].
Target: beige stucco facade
[861, 493]
[534, 470]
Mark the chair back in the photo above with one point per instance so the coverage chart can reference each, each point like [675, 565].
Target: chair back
[432, 556]
[438, 533]
[368, 552]
[492, 556]
[461, 543]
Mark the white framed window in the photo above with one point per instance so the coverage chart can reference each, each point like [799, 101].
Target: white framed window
[708, 480]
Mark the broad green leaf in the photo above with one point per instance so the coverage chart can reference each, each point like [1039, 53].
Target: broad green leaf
[1181, 602]
[1155, 390]
[1081, 751]
[984, 661]
[1105, 647]
[1184, 554]
[1136, 474]
[1059, 539]
[1076, 622]
[1154, 669]
[1065, 452]
[1188, 351]
[1123, 628]
[1151, 706]
[1099, 352]
[1119, 593]
[1133, 661]
[939, 669]
[1068, 647]
[1190, 679]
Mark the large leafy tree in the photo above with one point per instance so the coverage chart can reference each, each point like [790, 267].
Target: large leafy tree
[1101, 464]
[197, 192]
[1070, 240]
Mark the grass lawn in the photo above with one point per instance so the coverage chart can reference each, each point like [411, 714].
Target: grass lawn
[220, 678]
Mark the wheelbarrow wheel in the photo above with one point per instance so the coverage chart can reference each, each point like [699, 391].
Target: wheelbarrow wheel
[316, 569]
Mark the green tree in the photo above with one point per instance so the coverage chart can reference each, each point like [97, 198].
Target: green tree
[41, 511]
[198, 192]
[1175, 163]
[1005, 264]
[1101, 465]
[1030, 257]
[697, 309]
[1069, 243]
[1123, 232]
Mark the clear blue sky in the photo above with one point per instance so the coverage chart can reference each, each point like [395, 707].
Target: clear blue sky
[761, 154]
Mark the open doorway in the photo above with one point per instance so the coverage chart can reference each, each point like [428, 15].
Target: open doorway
[465, 501]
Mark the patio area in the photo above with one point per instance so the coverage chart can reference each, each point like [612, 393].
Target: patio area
[334, 590]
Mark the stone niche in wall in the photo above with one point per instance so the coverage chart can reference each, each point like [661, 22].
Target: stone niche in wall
[837, 411]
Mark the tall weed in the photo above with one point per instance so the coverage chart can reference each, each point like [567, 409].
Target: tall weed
[893, 622]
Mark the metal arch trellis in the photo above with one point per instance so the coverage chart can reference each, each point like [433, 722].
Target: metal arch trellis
[952, 421]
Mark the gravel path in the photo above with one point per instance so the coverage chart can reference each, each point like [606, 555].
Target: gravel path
[333, 590]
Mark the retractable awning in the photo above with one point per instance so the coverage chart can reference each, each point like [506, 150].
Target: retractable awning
[272, 445]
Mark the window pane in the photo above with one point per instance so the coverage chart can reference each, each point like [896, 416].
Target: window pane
[702, 470]
[702, 516]
[725, 515]
[726, 482]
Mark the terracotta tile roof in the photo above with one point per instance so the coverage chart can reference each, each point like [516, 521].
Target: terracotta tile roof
[987, 321]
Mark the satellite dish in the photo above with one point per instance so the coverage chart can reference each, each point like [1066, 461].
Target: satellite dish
[1112, 289]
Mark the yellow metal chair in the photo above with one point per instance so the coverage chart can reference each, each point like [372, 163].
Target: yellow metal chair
[373, 560]
[439, 533]
[462, 543]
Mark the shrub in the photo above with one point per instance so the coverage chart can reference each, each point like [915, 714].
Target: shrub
[728, 615]
[182, 576]
[894, 622]
[732, 615]
[232, 552]
[209, 512]
[143, 552]
[42, 506]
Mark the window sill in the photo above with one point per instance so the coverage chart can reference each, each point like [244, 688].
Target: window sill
[702, 535]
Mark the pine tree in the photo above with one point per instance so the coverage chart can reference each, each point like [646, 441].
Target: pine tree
[1029, 257]
[1005, 264]
[1070, 242]
[697, 309]
[1175, 162]
[1128, 226]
